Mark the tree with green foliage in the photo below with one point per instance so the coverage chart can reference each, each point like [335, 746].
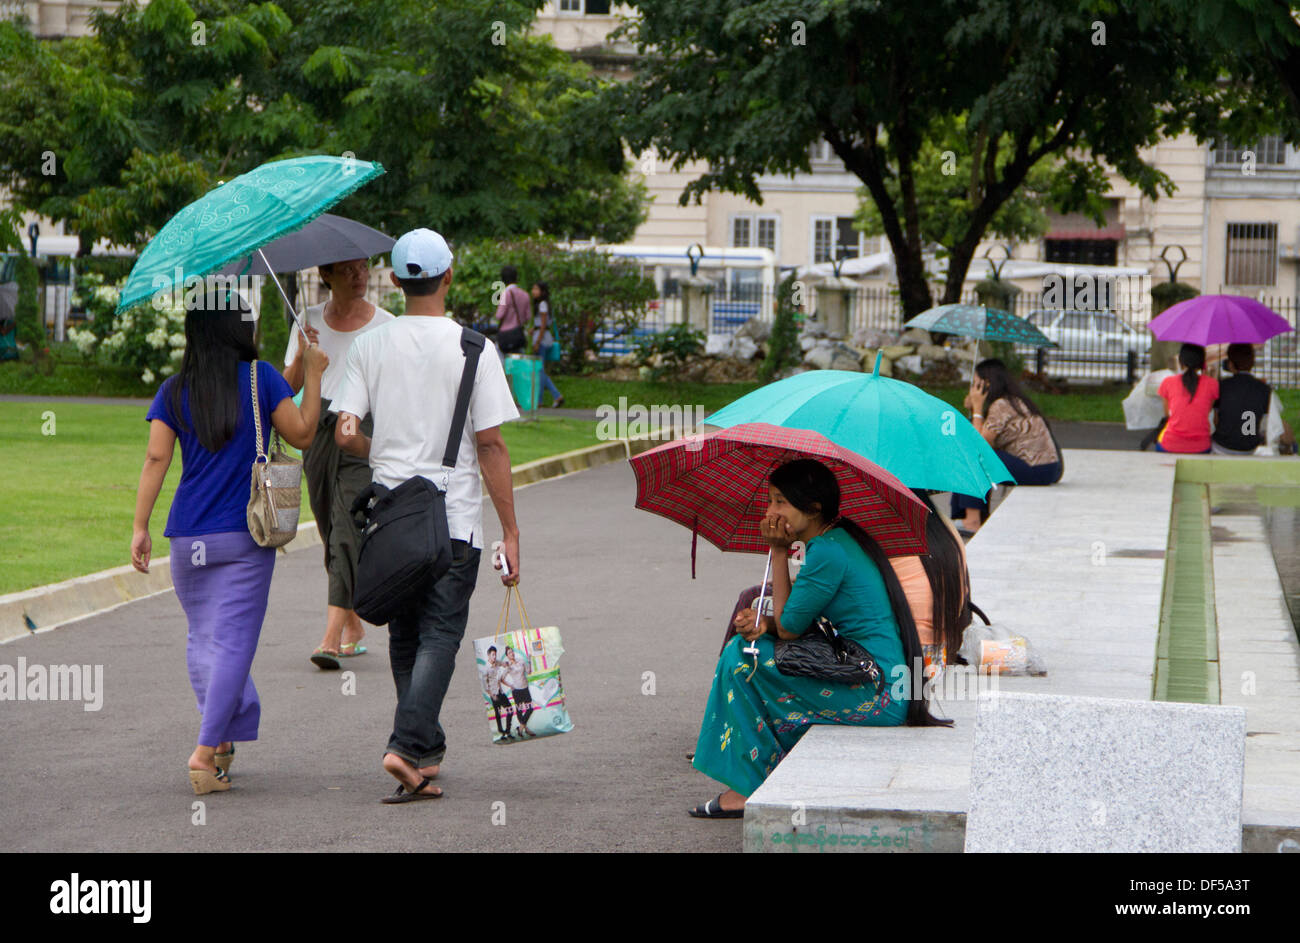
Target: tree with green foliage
[750, 87]
[783, 345]
[272, 326]
[944, 199]
[29, 325]
[483, 128]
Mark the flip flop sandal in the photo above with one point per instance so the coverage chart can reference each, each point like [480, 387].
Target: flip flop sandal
[223, 760]
[413, 796]
[351, 649]
[713, 810]
[328, 661]
[205, 781]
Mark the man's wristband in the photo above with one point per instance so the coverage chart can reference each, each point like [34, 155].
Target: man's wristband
[976, 416]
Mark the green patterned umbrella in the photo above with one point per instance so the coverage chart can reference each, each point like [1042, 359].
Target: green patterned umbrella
[239, 217]
[990, 324]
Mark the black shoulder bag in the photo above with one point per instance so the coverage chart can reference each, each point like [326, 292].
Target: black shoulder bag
[822, 653]
[405, 541]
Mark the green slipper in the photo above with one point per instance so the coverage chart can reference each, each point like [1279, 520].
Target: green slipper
[329, 661]
[348, 649]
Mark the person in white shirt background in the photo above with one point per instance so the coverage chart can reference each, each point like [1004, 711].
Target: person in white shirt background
[335, 478]
[406, 373]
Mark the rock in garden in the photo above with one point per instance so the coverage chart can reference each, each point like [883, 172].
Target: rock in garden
[874, 338]
[716, 344]
[807, 342]
[932, 352]
[898, 350]
[742, 348]
[915, 336]
[755, 329]
[846, 358]
[909, 364]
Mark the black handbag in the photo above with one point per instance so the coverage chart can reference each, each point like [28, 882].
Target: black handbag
[823, 653]
[509, 341]
[405, 540]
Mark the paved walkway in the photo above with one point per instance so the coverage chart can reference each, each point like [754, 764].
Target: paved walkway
[616, 580]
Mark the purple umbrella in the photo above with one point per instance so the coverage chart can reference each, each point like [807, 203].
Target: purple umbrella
[1219, 319]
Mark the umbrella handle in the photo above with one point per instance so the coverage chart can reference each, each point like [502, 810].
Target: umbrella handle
[287, 304]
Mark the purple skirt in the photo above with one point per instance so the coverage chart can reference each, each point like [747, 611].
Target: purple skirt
[223, 581]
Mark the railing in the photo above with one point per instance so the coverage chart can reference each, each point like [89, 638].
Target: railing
[1112, 344]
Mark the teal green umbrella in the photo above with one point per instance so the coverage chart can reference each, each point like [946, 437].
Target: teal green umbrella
[239, 217]
[990, 324]
[916, 437]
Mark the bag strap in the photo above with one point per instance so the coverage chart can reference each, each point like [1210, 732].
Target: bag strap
[257, 413]
[503, 623]
[471, 342]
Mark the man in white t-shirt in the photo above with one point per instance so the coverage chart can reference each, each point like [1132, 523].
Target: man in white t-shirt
[335, 478]
[406, 374]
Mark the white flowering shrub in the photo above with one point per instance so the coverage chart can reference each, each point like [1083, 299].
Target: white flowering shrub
[144, 338]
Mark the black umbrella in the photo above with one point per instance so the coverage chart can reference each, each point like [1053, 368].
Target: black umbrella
[327, 238]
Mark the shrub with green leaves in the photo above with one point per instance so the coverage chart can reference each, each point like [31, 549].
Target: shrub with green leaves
[783, 345]
[589, 289]
[30, 327]
[272, 328]
[672, 348]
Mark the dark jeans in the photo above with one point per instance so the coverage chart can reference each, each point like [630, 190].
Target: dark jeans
[1024, 475]
[422, 644]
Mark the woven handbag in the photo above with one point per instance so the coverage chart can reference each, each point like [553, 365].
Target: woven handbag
[276, 491]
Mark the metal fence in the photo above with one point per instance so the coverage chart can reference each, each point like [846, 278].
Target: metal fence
[1092, 346]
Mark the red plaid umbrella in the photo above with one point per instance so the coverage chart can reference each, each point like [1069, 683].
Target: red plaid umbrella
[716, 484]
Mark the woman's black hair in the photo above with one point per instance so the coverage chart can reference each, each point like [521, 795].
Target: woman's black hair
[218, 343]
[812, 488]
[1192, 357]
[945, 567]
[1001, 385]
[545, 290]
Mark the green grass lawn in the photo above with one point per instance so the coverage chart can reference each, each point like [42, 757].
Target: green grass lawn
[593, 392]
[71, 495]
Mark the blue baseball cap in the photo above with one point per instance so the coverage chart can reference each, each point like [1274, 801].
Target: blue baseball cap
[420, 253]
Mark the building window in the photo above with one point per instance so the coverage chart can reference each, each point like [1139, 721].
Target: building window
[1269, 151]
[752, 231]
[835, 238]
[1082, 251]
[740, 227]
[1252, 254]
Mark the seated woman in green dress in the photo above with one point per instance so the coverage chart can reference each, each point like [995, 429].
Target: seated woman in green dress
[755, 717]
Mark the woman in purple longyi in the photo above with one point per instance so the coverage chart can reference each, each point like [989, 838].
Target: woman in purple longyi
[221, 575]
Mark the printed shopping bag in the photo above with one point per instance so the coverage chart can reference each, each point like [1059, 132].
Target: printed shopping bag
[519, 674]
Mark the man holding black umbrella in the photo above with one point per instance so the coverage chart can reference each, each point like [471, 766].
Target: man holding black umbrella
[334, 478]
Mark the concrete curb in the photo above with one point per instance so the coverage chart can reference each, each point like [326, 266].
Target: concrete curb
[48, 607]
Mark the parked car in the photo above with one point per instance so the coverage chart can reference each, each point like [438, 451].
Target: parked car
[1089, 335]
